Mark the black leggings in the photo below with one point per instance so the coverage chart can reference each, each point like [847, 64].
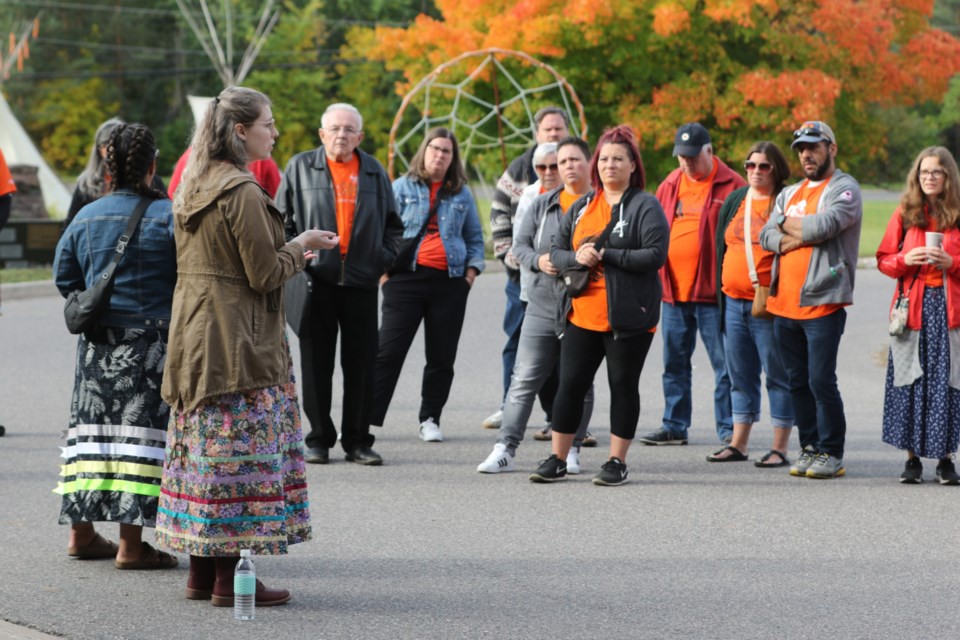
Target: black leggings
[581, 352]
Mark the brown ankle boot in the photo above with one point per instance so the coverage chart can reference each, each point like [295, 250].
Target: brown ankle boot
[223, 587]
[202, 576]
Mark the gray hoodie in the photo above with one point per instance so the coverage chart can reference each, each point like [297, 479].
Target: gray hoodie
[834, 232]
[532, 239]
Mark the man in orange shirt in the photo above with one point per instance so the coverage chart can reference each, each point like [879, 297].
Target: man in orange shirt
[339, 188]
[691, 198]
[814, 232]
[7, 189]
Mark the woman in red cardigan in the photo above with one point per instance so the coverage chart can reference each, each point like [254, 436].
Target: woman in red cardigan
[921, 406]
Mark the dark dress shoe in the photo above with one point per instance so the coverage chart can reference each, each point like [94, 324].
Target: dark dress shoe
[364, 455]
[316, 455]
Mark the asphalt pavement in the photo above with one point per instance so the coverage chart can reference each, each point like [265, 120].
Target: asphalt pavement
[425, 547]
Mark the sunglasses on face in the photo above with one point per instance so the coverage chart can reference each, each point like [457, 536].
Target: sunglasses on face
[762, 167]
[543, 167]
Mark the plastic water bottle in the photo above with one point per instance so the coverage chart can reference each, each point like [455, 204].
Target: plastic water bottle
[244, 587]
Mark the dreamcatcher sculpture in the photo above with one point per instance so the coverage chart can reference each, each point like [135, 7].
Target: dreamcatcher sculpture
[488, 99]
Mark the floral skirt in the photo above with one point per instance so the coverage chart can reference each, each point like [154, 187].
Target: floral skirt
[234, 477]
[117, 432]
[924, 417]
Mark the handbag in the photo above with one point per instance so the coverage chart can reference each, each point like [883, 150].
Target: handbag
[297, 300]
[409, 246]
[760, 292]
[84, 307]
[577, 277]
[900, 310]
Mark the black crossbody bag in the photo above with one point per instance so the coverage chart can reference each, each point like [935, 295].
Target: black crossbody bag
[84, 307]
[577, 277]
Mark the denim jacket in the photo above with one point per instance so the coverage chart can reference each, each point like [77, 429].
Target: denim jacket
[456, 216]
[147, 272]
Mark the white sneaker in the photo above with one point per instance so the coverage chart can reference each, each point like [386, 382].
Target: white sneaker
[493, 421]
[499, 460]
[430, 432]
[573, 461]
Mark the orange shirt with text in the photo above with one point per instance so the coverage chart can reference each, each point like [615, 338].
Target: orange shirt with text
[683, 256]
[795, 264]
[345, 177]
[736, 281]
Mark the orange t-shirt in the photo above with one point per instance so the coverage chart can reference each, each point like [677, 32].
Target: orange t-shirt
[345, 177]
[7, 185]
[683, 256]
[795, 264]
[590, 309]
[567, 200]
[432, 253]
[736, 272]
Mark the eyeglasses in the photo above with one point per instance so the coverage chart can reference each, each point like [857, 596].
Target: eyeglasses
[441, 150]
[347, 131]
[936, 174]
[269, 124]
[762, 167]
[543, 167]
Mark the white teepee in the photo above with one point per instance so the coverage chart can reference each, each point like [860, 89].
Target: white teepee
[18, 148]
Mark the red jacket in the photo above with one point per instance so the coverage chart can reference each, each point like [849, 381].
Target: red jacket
[724, 183]
[890, 262]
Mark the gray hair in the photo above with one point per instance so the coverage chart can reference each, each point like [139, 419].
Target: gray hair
[546, 111]
[543, 150]
[707, 147]
[342, 106]
[90, 181]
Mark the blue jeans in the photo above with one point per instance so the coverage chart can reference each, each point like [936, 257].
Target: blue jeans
[808, 349]
[748, 347]
[512, 321]
[679, 324]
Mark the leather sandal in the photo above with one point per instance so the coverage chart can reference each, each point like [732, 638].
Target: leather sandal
[97, 549]
[150, 558]
[735, 455]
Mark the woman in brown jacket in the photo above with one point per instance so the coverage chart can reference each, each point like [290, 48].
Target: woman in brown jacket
[234, 476]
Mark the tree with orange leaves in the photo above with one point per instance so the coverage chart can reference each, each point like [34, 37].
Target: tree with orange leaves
[748, 69]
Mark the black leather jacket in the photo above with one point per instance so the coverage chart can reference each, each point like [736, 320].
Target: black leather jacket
[306, 198]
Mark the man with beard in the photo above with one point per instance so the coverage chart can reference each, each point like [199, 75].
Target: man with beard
[814, 233]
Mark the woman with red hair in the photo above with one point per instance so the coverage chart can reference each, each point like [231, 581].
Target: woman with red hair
[618, 232]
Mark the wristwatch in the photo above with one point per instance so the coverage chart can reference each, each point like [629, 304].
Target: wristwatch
[781, 219]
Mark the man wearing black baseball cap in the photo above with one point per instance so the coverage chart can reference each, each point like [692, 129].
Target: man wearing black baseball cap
[814, 233]
[691, 197]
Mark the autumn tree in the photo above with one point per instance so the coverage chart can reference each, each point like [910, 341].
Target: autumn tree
[748, 69]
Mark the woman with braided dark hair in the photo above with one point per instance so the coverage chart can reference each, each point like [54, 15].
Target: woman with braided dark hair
[94, 181]
[117, 430]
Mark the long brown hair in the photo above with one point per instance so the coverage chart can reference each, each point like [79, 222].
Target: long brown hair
[914, 204]
[780, 170]
[455, 178]
[215, 137]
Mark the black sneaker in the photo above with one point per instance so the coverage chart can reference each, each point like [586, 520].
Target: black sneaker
[550, 470]
[612, 473]
[947, 472]
[912, 471]
[661, 437]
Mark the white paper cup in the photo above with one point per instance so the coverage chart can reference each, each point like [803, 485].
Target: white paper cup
[934, 241]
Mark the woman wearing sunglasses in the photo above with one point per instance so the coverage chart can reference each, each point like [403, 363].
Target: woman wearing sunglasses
[743, 268]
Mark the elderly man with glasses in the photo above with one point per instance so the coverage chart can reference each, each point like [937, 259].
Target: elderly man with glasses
[338, 187]
[814, 233]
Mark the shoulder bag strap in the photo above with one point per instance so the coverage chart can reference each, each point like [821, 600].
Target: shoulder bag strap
[605, 235]
[748, 237]
[135, 217]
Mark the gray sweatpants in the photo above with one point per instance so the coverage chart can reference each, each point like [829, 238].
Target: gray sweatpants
[537, 355]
